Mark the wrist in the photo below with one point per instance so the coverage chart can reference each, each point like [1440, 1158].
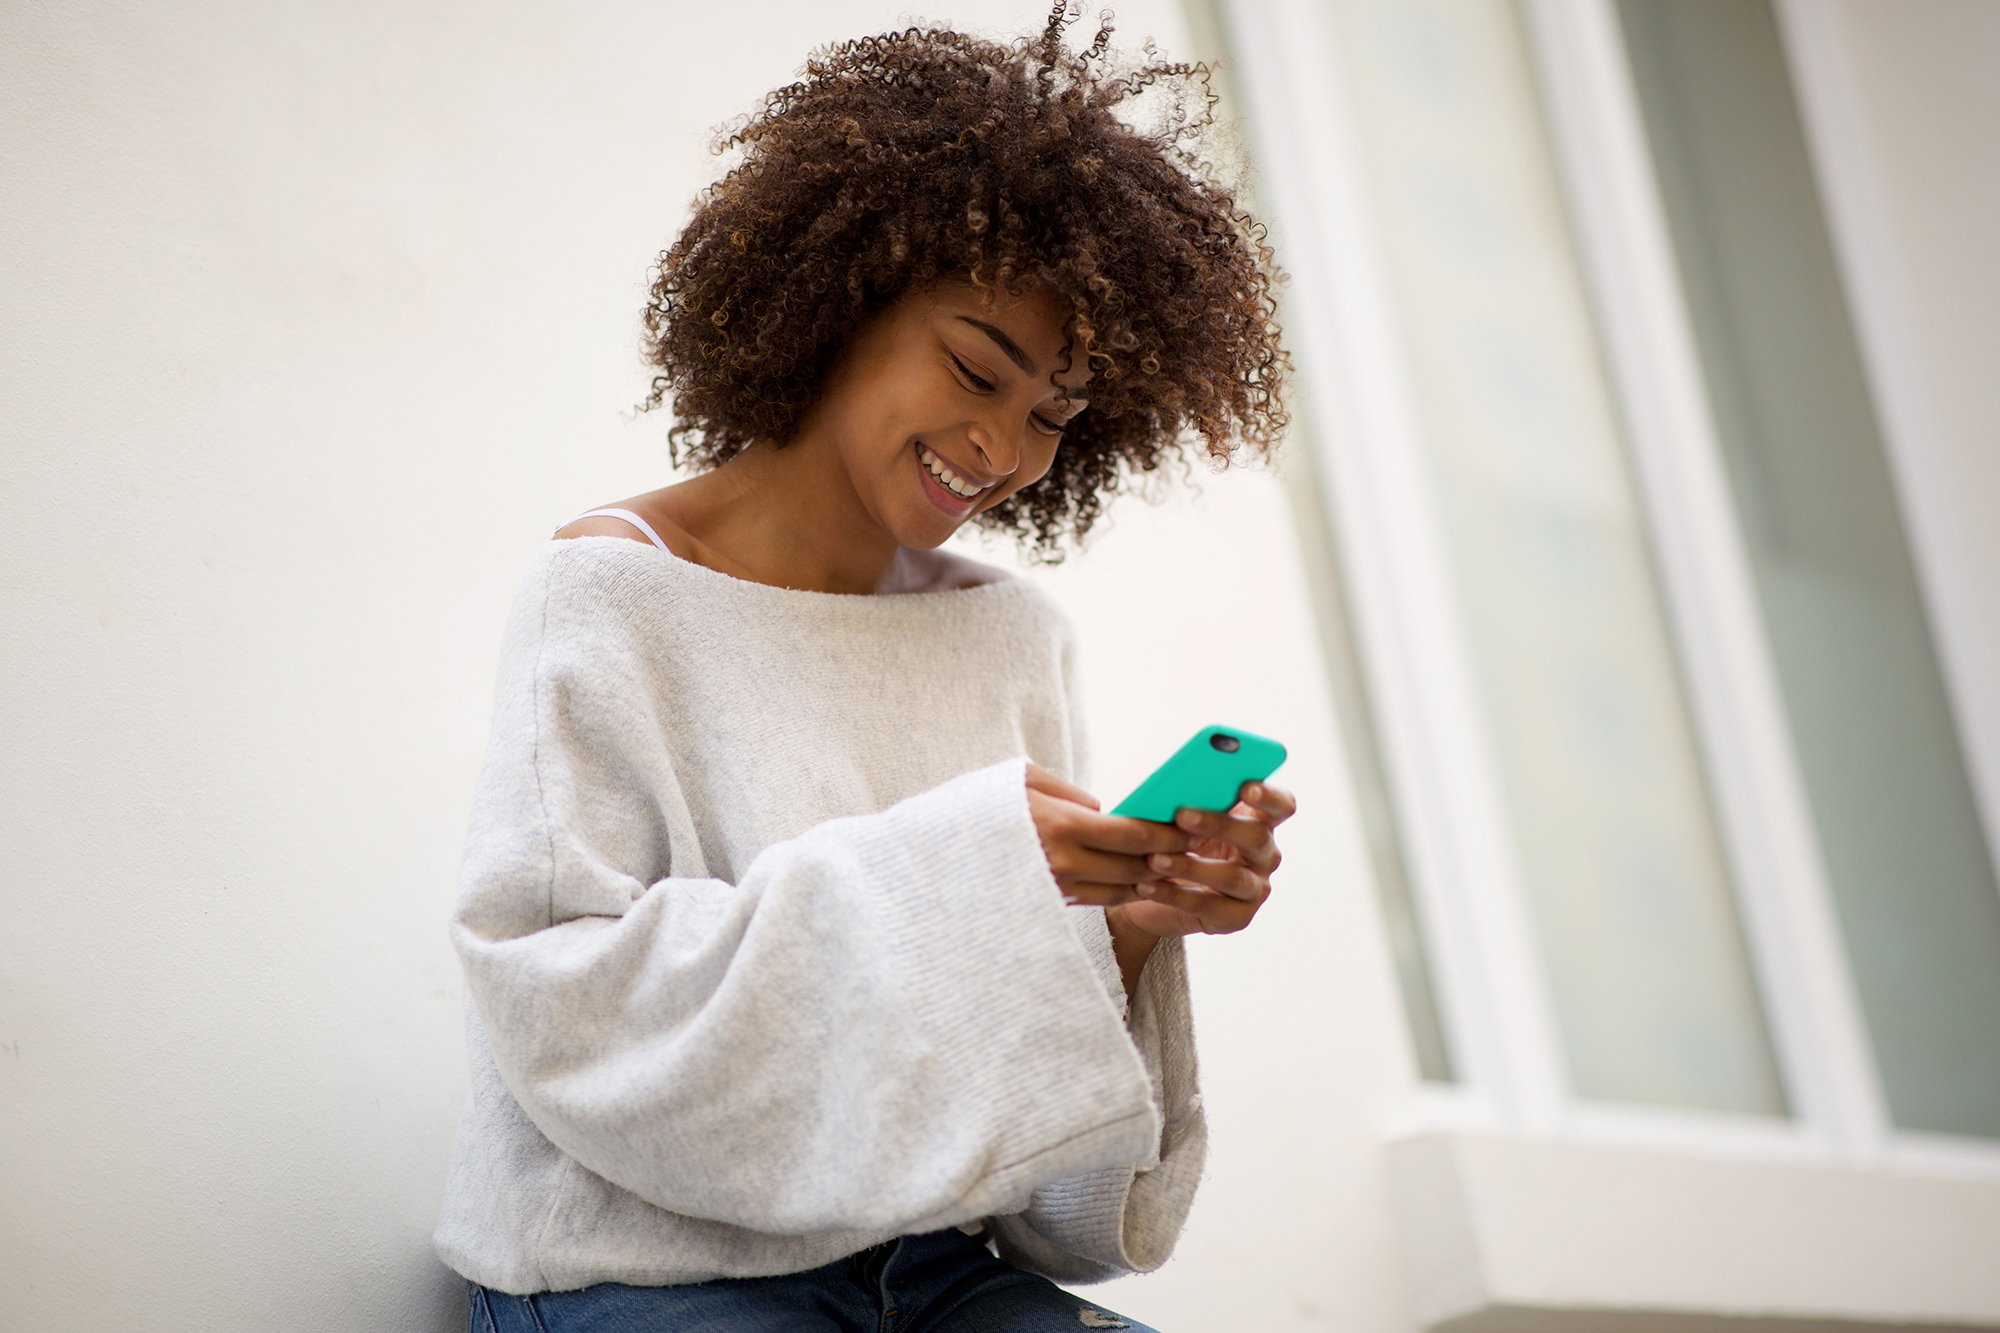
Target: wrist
[1130, 946]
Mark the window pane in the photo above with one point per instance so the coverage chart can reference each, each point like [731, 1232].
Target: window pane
[1609, 808]
[1911, 875]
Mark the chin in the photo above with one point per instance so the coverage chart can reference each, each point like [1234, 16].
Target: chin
[924, 527]
[926, 537]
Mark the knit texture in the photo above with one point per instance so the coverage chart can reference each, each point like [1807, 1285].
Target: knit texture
[766, 962]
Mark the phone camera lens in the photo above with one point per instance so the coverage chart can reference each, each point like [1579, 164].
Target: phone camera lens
[1224, 742]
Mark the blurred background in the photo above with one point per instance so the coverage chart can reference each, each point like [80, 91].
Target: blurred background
[1628, 594]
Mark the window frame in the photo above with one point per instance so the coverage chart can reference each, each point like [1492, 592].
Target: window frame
[1441, 780]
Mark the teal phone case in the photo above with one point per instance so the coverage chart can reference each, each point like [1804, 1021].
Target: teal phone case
[1203, 775]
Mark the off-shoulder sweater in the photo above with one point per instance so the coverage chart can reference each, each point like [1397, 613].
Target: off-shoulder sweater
[765, 959]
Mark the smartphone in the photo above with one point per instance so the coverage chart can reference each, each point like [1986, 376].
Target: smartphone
[1204, 774]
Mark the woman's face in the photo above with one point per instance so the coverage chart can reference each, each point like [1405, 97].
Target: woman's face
[944, 407]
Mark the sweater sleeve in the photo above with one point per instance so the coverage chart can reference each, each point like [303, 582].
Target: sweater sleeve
[1102, 1224]
[1106, 1223]
[886, 1023]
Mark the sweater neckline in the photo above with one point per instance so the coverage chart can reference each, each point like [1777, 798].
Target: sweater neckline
[730, 585]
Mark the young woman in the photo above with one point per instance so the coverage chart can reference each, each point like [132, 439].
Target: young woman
[809, 992]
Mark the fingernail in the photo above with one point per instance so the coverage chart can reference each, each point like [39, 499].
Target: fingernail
[1071, 902]
[1187, 819]
[1161, 861]
[1253, 792]
[1148, 889]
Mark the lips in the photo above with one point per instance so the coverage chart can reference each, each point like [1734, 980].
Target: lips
[947, 489]
[950, 480]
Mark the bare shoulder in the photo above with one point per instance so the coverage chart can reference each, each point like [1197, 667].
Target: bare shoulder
[643, 508]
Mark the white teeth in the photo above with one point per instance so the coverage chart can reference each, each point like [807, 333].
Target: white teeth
[952, 481]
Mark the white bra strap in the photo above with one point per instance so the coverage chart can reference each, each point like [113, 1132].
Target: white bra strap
[629, 517]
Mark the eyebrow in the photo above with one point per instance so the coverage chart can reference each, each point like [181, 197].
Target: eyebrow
[1004, 343]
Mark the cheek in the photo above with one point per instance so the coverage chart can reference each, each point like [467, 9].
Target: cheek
[1038, 456]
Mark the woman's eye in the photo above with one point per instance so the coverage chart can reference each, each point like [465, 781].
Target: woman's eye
[984, 386]
[1047, 427]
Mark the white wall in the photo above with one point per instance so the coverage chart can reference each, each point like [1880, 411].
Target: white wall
[316, 318]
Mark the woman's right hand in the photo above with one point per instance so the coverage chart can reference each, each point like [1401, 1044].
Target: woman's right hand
[1097, 859]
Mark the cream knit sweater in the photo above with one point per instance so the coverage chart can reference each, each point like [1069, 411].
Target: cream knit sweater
[766, 962]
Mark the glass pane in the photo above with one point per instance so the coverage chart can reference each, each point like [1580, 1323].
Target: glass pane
[1911, 875]
[1609, 808]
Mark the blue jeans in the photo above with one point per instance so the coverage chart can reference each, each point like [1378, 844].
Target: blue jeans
[945, 1282]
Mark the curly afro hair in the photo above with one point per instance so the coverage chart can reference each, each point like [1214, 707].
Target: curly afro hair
[927, 155]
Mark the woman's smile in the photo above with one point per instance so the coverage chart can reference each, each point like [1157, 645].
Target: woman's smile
[947, 488]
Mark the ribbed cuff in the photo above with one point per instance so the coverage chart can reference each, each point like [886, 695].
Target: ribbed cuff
[1023, 1009]
[1129, 1218]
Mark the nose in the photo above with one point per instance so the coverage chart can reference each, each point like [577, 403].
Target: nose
[996, 455]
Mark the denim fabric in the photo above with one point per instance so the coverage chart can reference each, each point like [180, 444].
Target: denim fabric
[945, 1282]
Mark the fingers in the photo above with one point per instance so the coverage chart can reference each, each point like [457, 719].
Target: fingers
[1217, 885]
[1132, 837]
[1231, 879]
[1250, 838]
[1084, 865]
[1083, 845]
[1041, 780]
[1099, 895]
[1186, 909]
[1096, 858]
[1274, 803]
[1062, 820]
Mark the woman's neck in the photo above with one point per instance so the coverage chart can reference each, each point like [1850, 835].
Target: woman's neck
[781, 517]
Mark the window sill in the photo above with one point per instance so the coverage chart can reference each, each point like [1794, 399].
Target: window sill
[1511, 1235]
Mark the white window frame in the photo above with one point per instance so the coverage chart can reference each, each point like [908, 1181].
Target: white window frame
[1493, 995]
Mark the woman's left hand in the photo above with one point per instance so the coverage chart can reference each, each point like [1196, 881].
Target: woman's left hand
[1215, 887]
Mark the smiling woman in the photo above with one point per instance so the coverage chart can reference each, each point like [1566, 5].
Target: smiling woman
[905, 161]
[798, 957]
